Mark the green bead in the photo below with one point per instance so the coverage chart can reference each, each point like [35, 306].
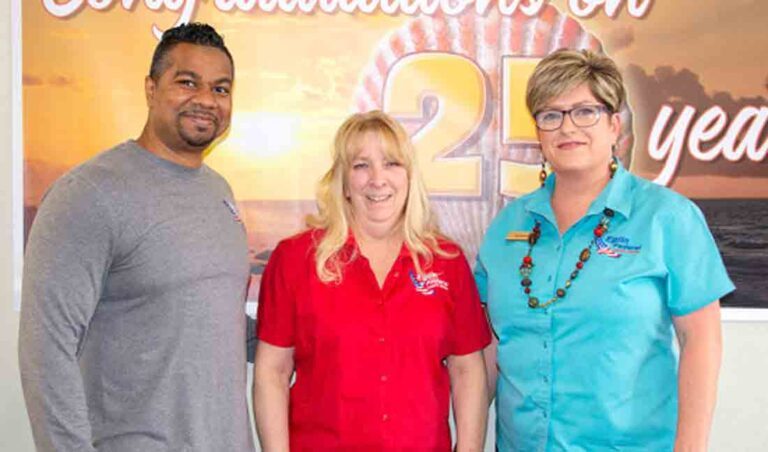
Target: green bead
[533, 302]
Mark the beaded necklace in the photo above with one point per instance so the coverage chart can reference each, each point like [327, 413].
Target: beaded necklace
[526, 268]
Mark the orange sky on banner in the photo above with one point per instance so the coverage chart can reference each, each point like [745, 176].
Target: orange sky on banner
[286, 108]
[295, 76]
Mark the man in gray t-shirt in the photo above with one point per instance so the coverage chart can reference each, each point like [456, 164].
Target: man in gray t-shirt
[132, 320]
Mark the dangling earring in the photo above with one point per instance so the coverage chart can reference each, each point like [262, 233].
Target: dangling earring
[614, 165]
[543, 172]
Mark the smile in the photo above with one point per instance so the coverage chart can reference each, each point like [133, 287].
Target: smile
[201, 118]
[567, 145]
[378, 198]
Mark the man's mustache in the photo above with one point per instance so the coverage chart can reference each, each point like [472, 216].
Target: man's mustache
[201, 114]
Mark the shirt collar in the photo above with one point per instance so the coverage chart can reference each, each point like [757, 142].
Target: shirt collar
[351, 247]
[617, 196]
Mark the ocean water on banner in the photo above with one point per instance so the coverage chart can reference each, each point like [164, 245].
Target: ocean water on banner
[739, 229]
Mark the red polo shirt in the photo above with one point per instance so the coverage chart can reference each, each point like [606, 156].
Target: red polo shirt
[370, 362]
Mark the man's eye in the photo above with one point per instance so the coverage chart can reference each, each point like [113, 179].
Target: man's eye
[224, 91]
[187, 83]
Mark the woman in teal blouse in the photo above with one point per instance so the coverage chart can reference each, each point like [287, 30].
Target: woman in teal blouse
[589, 280]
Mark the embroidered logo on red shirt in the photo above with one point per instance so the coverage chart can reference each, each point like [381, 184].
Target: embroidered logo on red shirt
[426, 284]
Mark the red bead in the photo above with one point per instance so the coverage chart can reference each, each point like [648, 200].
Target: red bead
[527, 260]
[599, 231]
[527, 290]
[579, 265]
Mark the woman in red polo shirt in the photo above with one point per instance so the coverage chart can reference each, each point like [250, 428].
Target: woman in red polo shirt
[375, 311]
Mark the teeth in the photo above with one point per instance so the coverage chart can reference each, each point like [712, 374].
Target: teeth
[378, 198]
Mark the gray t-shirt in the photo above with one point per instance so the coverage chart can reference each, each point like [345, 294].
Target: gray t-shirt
[132, 321]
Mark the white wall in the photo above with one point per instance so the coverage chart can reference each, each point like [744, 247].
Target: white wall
[740, 420]
[14, 427]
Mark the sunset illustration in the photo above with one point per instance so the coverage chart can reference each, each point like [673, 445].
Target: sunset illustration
[299, 75]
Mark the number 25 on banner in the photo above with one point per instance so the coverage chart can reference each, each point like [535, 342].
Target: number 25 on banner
[462, 117]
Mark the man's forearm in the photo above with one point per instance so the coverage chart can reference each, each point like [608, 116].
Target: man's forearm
[53, 388]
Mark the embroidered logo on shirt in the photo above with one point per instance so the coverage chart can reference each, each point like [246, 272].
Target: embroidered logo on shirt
[233, 211]
[604, 249]
[616, 245]
[427, 283]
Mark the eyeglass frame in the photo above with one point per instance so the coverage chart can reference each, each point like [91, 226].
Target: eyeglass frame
[600, 108]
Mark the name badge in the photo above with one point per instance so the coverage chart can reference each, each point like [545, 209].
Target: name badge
[518, 236]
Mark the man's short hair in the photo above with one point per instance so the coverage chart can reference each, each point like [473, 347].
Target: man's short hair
[191, 33]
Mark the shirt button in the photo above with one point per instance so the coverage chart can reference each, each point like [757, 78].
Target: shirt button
[546, 379]
[385, 417]
[549, 278]
[396, 274]
[545, 345]
[382, 340]
[559, 247]
[383, 378]
[543, 414]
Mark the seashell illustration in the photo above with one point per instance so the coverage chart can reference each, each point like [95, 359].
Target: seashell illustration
[486, 40]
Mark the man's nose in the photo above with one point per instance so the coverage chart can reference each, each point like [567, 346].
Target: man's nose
[205, 98]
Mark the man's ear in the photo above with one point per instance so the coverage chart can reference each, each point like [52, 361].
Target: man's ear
[149, 89]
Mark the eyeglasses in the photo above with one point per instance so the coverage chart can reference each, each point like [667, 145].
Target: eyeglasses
[581, 116]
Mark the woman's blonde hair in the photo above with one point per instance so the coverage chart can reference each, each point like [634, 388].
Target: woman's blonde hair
[420, 229]
[565, 69]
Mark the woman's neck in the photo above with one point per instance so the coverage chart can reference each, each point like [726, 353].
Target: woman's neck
[573, 195]
[380, 246]
[377, 233]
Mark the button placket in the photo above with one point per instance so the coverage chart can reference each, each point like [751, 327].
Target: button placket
[555, 272]
[384, 306]
[544, 370]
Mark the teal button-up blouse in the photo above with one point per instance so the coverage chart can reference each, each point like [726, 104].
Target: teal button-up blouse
[597, 370]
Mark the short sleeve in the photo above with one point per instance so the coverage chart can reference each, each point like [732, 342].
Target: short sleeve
[470, 325]
[481, 280]
[275, 320]
[696, 273]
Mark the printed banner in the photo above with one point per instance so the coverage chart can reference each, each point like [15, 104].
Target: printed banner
[452, 71]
